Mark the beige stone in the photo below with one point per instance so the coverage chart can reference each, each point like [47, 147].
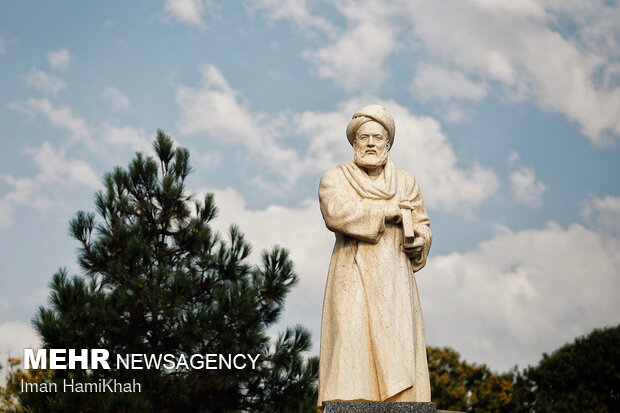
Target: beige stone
[373, 346]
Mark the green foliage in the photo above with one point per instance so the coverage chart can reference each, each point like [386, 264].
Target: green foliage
[458, 385]
[10, 393]
[159, 280]
[583, 376]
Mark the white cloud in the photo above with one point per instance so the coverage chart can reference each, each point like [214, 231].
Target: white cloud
[525, 187]
[21, 192]
[424, 150]
[16, 336]
[295, 10]
[453, 112]
[357, 58]
[513, 159]
[520, 294]
[24, 192]
[516, 47]
[210, 160]
[524, 8]
[446, 89]
[117, 98]
[61, 117]
[127, 136]
[603, 213]
[54, 166]
[187, 11]
[209, 109]
[43, 82]
[59, 59]
[596, 22]
[435, 82]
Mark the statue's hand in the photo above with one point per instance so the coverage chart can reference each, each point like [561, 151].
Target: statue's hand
[415, 249]
[392, 213]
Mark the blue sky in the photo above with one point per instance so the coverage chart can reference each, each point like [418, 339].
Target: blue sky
[508, 114]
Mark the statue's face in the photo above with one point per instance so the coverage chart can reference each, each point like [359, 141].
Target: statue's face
[371, 145]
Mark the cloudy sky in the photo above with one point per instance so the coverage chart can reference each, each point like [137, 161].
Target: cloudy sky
[507, 112]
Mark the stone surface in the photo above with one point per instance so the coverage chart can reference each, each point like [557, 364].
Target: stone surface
[379, 407]
[373, 345]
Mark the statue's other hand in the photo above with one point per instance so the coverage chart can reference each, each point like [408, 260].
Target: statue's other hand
[415, 249]
[392, 213]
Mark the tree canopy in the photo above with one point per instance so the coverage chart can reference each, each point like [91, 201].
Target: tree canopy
[583, 376]
[462, 386]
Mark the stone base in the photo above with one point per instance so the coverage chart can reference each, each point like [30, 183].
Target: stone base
[379, 407]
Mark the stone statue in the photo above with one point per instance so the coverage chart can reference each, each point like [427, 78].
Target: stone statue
[373, 346]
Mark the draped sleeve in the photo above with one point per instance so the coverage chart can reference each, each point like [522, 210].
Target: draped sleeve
[344, 211]
[421, 222]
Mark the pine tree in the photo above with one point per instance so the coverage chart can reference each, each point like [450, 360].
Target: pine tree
[157, 279]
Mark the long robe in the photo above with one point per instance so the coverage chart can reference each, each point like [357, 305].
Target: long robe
[372, 332]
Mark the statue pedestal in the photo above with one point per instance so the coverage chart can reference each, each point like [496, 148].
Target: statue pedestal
[379, 407]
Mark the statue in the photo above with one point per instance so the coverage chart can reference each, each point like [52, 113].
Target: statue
[373, 346]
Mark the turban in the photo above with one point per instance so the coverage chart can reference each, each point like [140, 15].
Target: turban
[369, 113]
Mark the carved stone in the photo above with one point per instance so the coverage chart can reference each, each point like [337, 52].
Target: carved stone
[373, 346]
[377, 407]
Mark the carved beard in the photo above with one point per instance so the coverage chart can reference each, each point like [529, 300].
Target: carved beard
[370, 160]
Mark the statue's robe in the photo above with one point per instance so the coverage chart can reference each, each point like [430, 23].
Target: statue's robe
[373, 346]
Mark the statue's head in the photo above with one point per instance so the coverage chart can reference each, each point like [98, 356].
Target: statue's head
[371, 133]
